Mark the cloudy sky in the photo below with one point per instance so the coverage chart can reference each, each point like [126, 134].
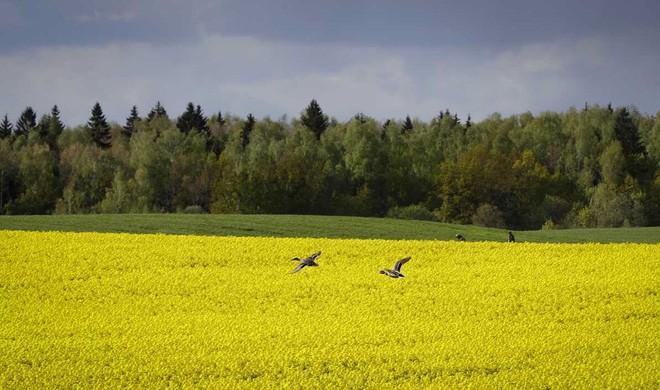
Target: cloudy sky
[387, 59]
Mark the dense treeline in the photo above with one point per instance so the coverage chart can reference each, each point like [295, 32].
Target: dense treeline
[595, 166]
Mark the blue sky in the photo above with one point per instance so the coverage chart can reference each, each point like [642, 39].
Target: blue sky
[387, 59]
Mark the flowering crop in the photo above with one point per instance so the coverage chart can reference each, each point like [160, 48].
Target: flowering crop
[108, 310]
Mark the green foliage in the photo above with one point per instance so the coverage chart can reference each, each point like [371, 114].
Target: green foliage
[314, 119]
[489, 216]
[247, 130]
[98, 127]
[26, 122]
[157, 112]
[37, 183]
[193, 118]
[407, 126]
[129, 128]
[6, 128]
[627, 133]
[521, 171]
[415, 212]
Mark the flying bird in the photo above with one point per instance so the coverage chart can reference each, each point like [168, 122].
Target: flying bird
[396, 272]
[306, 262]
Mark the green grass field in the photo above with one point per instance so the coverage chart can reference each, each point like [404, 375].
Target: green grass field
[310, 226]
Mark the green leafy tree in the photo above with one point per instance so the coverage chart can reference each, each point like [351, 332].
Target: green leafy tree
[38, 185]
[314, 119]
[86, 172]
[98, 127]
[9, 174]
[26, 122]
[6, 128]
[129, 128]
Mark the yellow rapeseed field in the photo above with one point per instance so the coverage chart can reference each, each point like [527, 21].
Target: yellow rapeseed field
[91, 310]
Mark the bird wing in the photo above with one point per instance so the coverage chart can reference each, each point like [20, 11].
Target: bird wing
[313, 256]
[299, 267]
[398, 264]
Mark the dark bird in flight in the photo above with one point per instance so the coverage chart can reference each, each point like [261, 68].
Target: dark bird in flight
[306, 262]
[396, 272]
[459, 237]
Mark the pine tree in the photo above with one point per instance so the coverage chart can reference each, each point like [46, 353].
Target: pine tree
[221, 121]
[98, 127]
[627, 133]
[57, 127]
[360, 117]
[6, 128]
[157, 112]
[468, 122]
[129, 128]
[314, 119]
[192, 118]
[202, 124]
[26, 122]
[247, 130]
[456, 120]
[43, 127]
[407, 125]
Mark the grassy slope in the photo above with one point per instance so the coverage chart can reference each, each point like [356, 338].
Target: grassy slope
[310, 226]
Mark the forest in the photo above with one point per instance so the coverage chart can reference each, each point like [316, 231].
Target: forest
[589, 167]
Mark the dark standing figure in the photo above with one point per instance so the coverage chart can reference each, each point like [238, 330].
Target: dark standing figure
[511, 237]
[459, 237]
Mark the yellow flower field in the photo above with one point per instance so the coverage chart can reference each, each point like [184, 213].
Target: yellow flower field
[91, 310]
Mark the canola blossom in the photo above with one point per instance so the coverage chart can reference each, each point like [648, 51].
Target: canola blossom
[91, 310]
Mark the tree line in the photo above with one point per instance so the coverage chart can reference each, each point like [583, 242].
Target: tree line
[589, 167]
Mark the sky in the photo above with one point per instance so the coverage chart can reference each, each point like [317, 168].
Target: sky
[386, 59]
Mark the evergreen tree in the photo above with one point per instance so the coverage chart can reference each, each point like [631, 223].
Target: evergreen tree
[193, 118]
[51, 127]
[407, 126]
[360, 117]
[468, 122]
[43, 127]
[129, 128]
[98, 127]
[157, 112]
[221, 121]
[57, 127]
[26, 122]
[6, 128]
[627, 133]
[202, 122]
[314, 119]
[247, 130]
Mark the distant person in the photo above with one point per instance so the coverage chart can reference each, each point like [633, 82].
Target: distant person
[459, 237]
[511, 237]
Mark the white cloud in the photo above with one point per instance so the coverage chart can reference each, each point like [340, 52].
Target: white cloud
[243, 75]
